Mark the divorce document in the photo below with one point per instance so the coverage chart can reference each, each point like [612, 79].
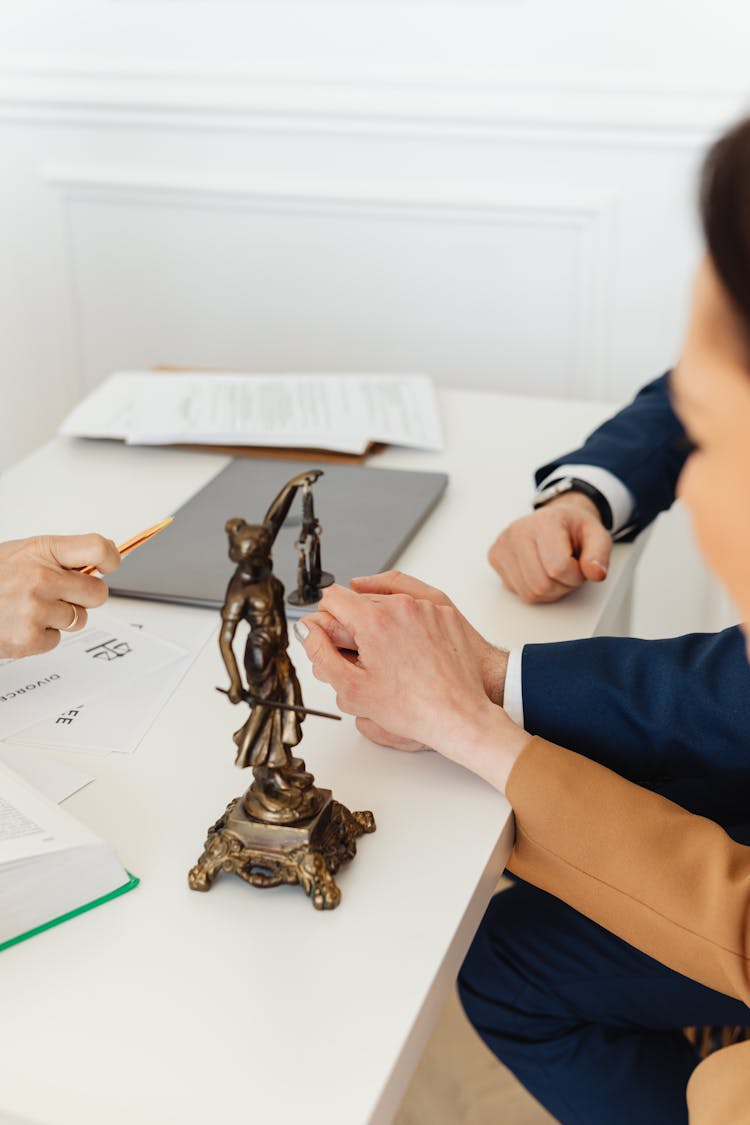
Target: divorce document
[117, 722]
[102, 657]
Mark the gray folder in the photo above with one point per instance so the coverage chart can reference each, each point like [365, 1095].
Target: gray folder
[367, 516]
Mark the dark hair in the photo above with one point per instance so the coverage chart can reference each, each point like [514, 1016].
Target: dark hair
[725, 212]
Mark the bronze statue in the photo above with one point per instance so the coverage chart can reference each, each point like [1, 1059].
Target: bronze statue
[284, 829]
[282, 790]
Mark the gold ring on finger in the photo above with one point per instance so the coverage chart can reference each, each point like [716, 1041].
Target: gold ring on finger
[69, 628]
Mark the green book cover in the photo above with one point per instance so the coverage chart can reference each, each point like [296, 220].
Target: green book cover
[133, 881]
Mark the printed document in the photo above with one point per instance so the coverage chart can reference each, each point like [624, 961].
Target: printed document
[117, 722]
[338, 412]
[103, 656]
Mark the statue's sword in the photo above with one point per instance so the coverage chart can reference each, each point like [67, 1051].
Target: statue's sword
[253, 699]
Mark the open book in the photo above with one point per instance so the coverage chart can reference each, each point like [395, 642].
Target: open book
[51, 866]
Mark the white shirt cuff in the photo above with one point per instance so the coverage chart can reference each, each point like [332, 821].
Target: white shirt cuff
[513, 694]
[617, 495]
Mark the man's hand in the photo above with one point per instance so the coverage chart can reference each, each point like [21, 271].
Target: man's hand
[545, 556]
[40, 587]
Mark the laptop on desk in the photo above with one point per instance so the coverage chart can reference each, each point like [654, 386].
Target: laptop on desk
[367, 517]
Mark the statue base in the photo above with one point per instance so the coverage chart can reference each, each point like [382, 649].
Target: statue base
[309, 852]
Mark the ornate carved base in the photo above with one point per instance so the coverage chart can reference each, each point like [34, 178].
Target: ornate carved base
[267, 855]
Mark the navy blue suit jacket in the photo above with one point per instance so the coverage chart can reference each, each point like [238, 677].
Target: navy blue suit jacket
[644, 445]
[673, 715]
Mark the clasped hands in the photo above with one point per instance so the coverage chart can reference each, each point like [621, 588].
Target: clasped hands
[414, 672]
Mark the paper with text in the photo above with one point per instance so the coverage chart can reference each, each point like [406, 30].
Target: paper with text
[338, 412]
[103, 656]
[31, 825]
[118, 721]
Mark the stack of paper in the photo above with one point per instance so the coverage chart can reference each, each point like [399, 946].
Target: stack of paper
[337, 412]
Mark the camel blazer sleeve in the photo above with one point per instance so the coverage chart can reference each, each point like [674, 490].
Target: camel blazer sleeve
[673, 884]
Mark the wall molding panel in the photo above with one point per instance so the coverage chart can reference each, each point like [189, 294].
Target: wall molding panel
[532, 232]
[360, 227]
[585, 113]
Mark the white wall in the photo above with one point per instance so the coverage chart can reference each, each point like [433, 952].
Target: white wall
[500, 193]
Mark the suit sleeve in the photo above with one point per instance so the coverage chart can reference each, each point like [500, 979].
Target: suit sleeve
[666, 714]
[644, 445]
[670, 883]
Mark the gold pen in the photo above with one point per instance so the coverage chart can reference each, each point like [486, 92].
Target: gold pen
[137, 541]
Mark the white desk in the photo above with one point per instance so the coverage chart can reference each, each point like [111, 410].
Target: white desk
[247, 1005]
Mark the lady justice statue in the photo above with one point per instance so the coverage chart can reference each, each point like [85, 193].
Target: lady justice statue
[282, 791]
[284, 829]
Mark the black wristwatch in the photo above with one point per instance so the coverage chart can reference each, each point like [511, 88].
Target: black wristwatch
[574, 484]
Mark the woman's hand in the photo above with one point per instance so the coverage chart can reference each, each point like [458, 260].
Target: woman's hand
[492, 661]
[417, 674]
[345, 644]
[40, 588]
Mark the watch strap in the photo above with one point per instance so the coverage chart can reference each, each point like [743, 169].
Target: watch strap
[556, 488]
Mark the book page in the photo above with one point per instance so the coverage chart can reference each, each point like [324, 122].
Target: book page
[30, 825]
[50, 863]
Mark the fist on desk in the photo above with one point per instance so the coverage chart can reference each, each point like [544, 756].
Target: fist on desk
[544, 556]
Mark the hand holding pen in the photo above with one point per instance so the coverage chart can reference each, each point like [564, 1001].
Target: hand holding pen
[48, 582]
